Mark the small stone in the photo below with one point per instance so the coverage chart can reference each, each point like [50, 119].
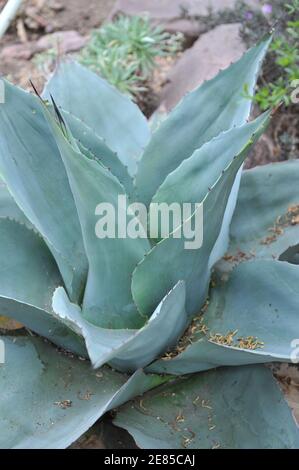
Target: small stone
[213, 51]
[169, 13]
[190, 28]
[65, 41]
[34, 20]
[169, 10]
[56, 6]
[17, 51]
[49, 28]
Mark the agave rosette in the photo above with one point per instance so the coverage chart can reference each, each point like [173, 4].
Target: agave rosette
[136, 310]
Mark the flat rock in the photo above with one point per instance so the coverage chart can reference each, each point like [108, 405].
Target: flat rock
[67, 41]
[169, 12]
[213, 51]
[63, 41]
[190, 28]
[265, 151]
[17, 51]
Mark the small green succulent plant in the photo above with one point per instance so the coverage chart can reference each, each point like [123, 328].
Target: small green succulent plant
[124, 52]
[133, 323]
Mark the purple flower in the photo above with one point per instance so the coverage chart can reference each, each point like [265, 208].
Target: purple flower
[267, 9]
[248, 15]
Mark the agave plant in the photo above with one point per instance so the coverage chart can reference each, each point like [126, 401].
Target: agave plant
[145, 326]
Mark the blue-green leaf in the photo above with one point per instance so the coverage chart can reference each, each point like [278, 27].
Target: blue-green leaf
[252, 317]
[62, 396]
[31, 166]
[107, 299]
[128, 350]
[169, 261]
[112, 116]
[8, 207]
[101, 152]
[216, 106]
[231, 408]
[190, 182]
[28, 279]
[266, 221]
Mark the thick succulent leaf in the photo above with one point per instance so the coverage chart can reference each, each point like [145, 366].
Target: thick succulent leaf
[110, 114]
[190, 182]
[136, 385]
[216, 106]
[266, 220]
[166, 326]
[62, 396]
[8, 207]
[128, 350]
[107, 300]
[32, 168]
[101, 152]
[169, 261]
[260, 299]
[230, 408]
[28, 279]
[156, 119]
[260, 304]
[222, 242]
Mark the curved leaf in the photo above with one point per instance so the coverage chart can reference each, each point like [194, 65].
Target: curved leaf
[252, 317]
[165, 326]
[34, 173]
[214, 107]
[28, 279]
[191, 181]
[96, 145]
[266, 220]
[107, 299]
[9, 209]
[156, 119]
[128, 350]
[110, 114]
[222, 242]
[169, 261]
[232, 408]
[62, 396]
